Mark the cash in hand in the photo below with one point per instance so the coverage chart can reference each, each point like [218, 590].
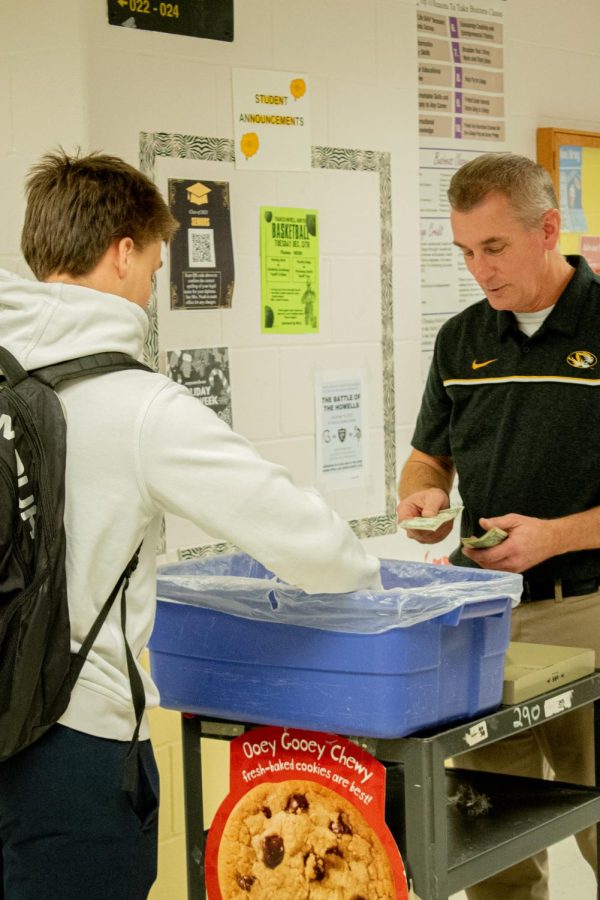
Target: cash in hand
[491, 538]
[431, 523]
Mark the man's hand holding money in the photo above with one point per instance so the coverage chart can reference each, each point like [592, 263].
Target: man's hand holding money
[426, 515]
[529, 542]
[491, 538]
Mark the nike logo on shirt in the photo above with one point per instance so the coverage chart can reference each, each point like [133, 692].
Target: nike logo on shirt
[480, 365]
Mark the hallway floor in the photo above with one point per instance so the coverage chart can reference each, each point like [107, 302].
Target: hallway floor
[570, 876]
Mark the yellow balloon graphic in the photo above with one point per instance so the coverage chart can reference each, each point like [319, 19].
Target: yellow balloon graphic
[298, 88]
[249, 144]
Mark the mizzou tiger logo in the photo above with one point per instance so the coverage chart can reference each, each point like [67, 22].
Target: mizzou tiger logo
[582, 359]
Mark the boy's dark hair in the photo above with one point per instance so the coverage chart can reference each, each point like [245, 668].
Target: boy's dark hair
[78, 205]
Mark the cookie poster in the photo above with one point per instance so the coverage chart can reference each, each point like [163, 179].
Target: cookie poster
[304, 818]
[201, 253]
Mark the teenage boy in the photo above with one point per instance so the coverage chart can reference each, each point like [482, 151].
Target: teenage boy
[139, 445]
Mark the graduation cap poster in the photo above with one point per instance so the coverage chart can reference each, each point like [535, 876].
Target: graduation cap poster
[201, 253]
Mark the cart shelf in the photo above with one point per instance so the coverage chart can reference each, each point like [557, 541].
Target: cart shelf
[444, 850]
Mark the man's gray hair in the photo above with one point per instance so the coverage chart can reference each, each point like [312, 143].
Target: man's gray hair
[527, 185]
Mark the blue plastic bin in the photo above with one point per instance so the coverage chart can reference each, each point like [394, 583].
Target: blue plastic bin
[384, 684]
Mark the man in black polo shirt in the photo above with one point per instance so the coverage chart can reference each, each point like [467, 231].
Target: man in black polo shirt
[512, 406]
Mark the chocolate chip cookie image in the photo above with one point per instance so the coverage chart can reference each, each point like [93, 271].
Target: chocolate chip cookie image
[298, 840]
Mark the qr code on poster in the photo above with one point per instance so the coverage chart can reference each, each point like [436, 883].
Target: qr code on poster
[201, 248]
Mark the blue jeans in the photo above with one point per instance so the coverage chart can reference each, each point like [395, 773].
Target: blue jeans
[67, 829]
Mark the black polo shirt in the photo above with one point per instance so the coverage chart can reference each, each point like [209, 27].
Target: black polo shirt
[520, 416]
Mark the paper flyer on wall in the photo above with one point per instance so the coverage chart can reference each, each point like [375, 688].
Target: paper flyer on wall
[340, 429]
[201, 252]
[205, 372]
[305, 816]
[271, 120]
[572, 214]
[462, 113]
[579, 192]
[447, 286]
[460, 48]
[289, 262]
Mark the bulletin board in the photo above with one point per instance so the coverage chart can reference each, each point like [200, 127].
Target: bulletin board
[162, 152]
[573, 160]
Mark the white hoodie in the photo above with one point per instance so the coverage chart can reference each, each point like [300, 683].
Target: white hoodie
[137, 445]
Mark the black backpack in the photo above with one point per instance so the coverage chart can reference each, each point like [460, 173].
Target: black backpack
[37, 668]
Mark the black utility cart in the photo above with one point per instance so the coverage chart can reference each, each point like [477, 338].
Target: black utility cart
[443, 849]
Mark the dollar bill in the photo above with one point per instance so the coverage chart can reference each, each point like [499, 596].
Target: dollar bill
[431, 523]
[490, 539]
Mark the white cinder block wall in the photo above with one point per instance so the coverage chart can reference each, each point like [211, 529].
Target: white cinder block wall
[43, 100]
[67, 77]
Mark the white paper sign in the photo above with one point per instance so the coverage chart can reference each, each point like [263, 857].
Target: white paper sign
[556, 705]
[476, 734]
[271, 120]
[341, 438]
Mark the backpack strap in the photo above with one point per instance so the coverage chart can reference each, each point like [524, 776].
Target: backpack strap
[86, 366]
[81, 367]
[138, 695]
[80, 657]
[12, 370]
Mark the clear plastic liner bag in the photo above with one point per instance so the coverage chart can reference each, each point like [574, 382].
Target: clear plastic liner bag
[412, 592]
